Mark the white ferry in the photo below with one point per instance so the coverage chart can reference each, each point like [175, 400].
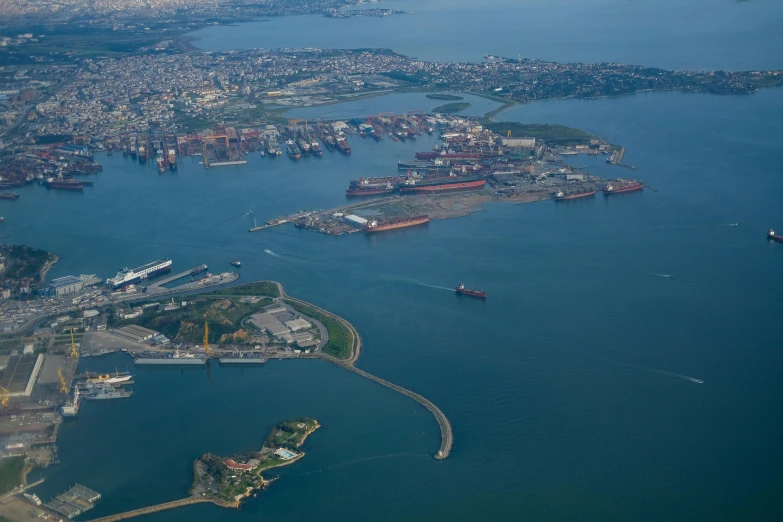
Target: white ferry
[128, 276]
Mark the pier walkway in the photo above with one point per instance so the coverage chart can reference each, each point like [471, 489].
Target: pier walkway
[171, 278]
[162, 507]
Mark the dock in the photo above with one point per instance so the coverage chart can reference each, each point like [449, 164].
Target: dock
[74, 502]
[165, 506]
[171, 278]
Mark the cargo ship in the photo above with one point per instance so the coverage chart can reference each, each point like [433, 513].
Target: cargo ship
[71, 408]
[467, 291]
[343, 146]
[562, 196]
[369, 190]
[199, 269]
[630, 187]
[423, 165]
[375, 226]
[304, 146]
[292, 150]
[773, 237]
[172, 160]
[126, 276]
[315, 148]
[330, 143]
[64, 184]
[142, 153]
[161, 165]
[179, 358]
[9, 195]
[449, 184]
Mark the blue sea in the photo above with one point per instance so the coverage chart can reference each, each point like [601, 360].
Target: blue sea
[571, 390]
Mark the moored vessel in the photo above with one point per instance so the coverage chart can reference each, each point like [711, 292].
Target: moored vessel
[128, 276]
[64, 184]
[369, 190]
[468, 291]
[376, 226]
[199, 269]
[71, 408]
[9, 195]
[562, 196]
[343, 146]
[620, 189]
[451, 183]
[292, 150]
[178, 358]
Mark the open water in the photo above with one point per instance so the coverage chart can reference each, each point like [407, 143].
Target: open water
[570, 390]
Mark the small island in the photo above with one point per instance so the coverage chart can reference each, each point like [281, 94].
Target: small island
[226, 481]
[450, 108]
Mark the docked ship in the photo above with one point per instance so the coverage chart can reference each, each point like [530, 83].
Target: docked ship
[243, 358]
[330, 143]
[9, 195]
[142, 153]
[772, 236]
[315, 148]
[172, 160]
[292, 150]
[178, 358]
[472, 293]
[343, 146]
[128, 276]
[375, 226]
[630, 187]
[562, 196]
[303, 145]
[108, 393]
[64, 184]
[366, 188]
[435, 164]
[452, 183]
[199, 269]
[161, 164]
[71, 408]
[111, 379]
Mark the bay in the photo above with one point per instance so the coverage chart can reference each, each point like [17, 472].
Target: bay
[699, 34]
[567, 389]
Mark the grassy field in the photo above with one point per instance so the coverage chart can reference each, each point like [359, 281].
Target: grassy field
[551, 134]
[340, 343]
[444, 97]
[10, 473]
[260, 288]
[450, 108]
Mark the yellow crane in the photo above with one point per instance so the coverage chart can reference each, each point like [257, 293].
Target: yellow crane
[206, 337]
[74, 351]
[63, 384]
[4, 397]
[509, 133]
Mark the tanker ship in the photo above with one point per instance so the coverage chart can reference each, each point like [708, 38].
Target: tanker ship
[64, 184]
[630, 187]
[467, 291]
[375, 226]
[452, 183]
[772, 236]
[365, 189]
[562, 196]
[128, 276]
[292, 150]
[343, 146]
[315, 148]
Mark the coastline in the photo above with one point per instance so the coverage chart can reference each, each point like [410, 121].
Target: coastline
[48, 266]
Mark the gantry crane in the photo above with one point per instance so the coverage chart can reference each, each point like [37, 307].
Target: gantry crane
[206, 337]
[74, 351]
[4, 397]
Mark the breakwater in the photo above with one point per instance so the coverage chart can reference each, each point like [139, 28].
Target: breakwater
[446, 433]
[162, 507]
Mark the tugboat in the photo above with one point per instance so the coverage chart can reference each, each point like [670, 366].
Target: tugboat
[236, 262]
[467, 291]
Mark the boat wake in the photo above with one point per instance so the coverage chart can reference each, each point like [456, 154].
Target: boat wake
[679, 376]
[667, 276]
[237, 218]
[357, 461]
[434, 286]
[267, 251]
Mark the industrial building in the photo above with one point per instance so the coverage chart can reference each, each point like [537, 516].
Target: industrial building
[524, 143]
[135, 333]
[298, 324]
[355, 220]
[63, 286]
[20, 375]
[265, 321]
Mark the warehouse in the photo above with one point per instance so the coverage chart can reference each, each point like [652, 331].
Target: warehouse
[62, 286]
[355, 220]
[264, 321]
[20, 375]
[135, 333]
[298, 324]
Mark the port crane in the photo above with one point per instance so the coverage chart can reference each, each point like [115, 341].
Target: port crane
[63, 383]
[206, 337]
[74, 351]
[295, 123]
[4, 397]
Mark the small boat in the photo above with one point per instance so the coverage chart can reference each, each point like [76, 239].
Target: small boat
[467, 291]
[236, 263]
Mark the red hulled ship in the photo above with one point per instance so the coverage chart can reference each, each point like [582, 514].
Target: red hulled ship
[467, 291]
[619, 189]
[375, 226]
[442, 185]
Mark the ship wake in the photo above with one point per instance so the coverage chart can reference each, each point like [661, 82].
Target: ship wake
[667, 276]
[679, 376]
